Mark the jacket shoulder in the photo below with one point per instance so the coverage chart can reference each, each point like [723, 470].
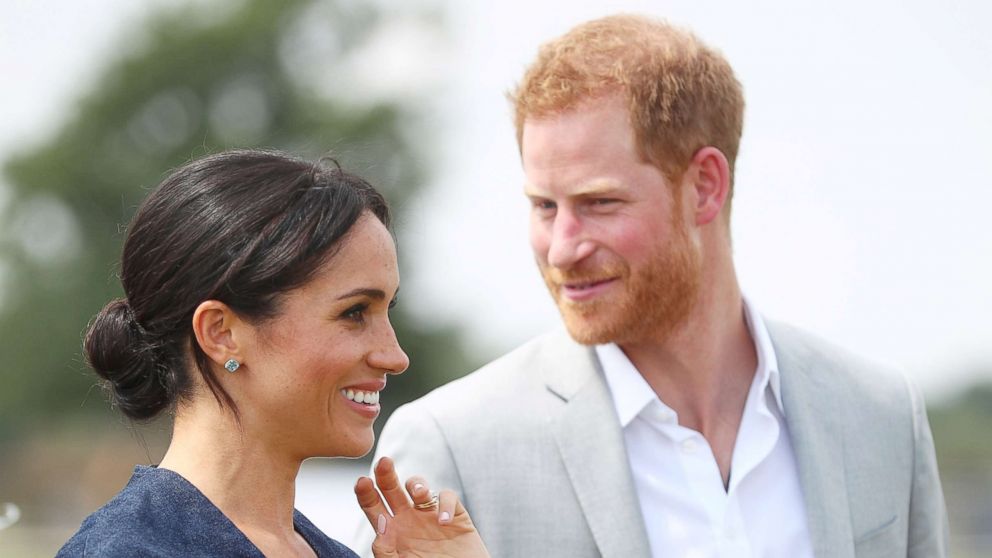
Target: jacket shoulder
[504, 399]
[846, 375]
[520, 373]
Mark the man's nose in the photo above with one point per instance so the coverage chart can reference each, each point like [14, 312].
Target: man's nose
[569, 241]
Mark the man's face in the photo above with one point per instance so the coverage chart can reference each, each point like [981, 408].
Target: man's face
[607, 233]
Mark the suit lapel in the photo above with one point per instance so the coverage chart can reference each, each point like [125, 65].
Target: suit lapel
[818, 443]
[591, 445]
[590, 440]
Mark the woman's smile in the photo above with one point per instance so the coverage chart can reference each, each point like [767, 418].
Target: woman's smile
[363, 398]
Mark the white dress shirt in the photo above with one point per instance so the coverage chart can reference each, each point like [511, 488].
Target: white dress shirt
[687, 511]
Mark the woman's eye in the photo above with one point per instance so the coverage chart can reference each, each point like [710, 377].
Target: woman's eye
[356, 313]
[392, 303]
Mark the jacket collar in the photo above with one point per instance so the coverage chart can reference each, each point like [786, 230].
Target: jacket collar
[590, 441]
[807, 395]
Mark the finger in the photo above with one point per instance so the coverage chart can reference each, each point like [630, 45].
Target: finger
[417, 487]
[389, 486]
[447, 503]
[371, 504]
[461, 514]
[381, 549]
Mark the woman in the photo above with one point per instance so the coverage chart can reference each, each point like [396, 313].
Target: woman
[256, 312]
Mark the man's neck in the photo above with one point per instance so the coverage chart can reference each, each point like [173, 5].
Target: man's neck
[704, 369]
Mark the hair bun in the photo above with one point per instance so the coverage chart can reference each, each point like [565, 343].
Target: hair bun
[118, 350]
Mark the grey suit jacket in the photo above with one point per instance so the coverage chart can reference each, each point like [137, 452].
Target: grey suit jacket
[532, 444]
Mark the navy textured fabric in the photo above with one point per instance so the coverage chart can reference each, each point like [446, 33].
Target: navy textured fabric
[159, 513]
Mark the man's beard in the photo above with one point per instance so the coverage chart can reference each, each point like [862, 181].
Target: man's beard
[651, 304]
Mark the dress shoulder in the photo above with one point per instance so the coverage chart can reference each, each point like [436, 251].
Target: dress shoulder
[159, 513]
[324, 546]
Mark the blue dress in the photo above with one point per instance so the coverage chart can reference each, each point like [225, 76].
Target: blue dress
[159, 513]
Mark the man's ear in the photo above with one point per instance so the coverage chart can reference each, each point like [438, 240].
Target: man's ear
[219, 331]
[710, 175]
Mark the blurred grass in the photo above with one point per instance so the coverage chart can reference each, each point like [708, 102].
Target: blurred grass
[25, 541]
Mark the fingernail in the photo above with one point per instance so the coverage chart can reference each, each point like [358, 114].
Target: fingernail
[418, 487]
[444, 517]
[382, 524]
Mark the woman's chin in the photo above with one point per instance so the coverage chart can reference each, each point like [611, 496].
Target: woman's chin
[352, 449]
[356, 454]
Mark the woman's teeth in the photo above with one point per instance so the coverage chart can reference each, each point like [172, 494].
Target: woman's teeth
[364, 397]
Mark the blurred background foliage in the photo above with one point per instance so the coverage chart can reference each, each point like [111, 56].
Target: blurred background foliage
[961, 430]
[191, 81]
[187, 87]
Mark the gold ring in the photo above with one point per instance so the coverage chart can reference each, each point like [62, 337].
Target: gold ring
[432, 503]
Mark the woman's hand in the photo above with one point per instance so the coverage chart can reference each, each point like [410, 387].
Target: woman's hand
[440, 530]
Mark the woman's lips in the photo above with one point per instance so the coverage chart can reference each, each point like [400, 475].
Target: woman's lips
[364, 397]
[368, 410]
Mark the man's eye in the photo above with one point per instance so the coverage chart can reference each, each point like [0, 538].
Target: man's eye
[544, 205]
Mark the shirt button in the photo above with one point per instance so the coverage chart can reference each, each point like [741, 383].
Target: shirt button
[666, 415]
[688, 445]
[661, 415]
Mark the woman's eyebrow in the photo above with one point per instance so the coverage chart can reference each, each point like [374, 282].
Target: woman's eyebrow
[377, 294]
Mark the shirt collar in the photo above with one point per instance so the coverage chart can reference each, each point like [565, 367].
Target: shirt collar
[767, 362]
[631, 393]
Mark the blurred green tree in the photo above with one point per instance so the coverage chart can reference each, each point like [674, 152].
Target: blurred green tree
[960, 426]
[191, 80]
[964, 454]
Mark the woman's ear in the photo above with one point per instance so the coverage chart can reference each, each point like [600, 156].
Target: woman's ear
[219, 332]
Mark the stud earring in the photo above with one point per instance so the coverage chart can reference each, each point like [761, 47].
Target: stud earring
[232, 365]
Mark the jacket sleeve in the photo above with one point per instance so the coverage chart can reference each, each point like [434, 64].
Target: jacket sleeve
[928, 530]
[416, 442]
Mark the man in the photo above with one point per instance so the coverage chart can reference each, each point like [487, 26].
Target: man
[671, 419]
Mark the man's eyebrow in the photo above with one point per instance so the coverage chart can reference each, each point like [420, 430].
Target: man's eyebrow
[594, 188]
[594, 191]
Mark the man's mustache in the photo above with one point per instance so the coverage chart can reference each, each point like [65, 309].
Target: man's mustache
[584, 276]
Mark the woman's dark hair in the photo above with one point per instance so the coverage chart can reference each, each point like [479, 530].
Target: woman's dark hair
[240, 227]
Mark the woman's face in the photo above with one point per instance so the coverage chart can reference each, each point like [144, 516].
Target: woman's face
[313, 374]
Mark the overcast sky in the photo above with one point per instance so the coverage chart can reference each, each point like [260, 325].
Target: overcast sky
[863, 182]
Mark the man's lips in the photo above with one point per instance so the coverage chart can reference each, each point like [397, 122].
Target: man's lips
[580, 291]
